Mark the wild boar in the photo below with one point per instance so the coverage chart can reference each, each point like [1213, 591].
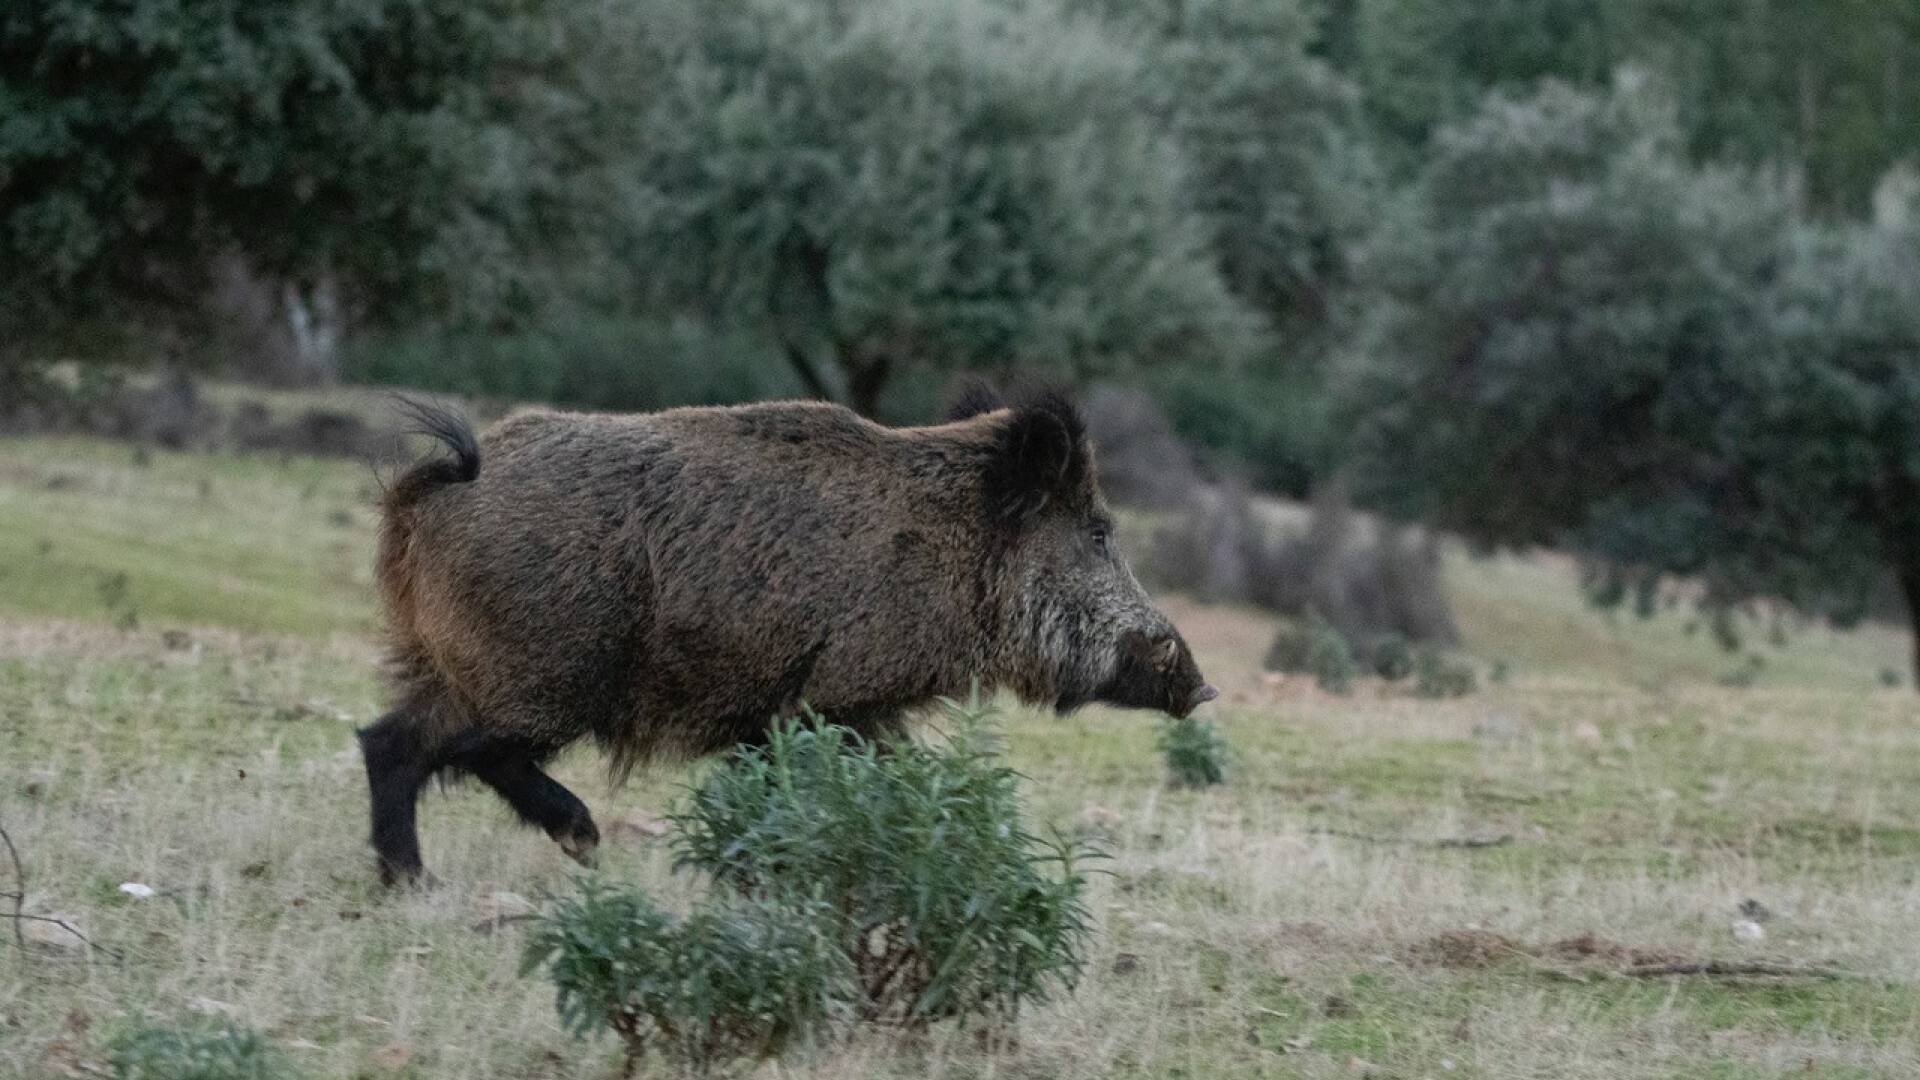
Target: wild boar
[670, 583]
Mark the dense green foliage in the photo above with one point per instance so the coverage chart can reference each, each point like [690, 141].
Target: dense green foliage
[944, 903]
[1436, 675]
[203, 1052]
[1826, 85]
[1195, 752]
[1646, 361]
[890, 185]
[406, 149]
[728, 981]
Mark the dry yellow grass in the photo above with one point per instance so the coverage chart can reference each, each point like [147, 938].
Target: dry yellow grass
[1311, 918]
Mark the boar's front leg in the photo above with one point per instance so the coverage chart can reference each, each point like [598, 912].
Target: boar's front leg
[543, 802]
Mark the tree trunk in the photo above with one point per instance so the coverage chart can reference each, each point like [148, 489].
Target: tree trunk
[313, 324]
[865, 381]
[809, 375]
[1909, 572]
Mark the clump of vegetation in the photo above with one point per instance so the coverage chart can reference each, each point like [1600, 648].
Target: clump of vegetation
[1438, 676]
[943, 903]
[115, 595]
[1390, 656]
[203, 1052]
[1315, 647]
[1330, 657]
[1288, 653]
[730, 981]
[1195, 752]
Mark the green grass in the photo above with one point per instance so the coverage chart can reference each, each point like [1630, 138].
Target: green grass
[256, 544]
[1277, 926]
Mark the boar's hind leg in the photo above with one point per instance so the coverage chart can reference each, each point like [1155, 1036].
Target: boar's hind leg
[542, 802]
[397, 767]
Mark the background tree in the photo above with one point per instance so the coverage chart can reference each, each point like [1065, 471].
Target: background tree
[1825, 85]
[1575, 345]
[885, 186]
[371, 156]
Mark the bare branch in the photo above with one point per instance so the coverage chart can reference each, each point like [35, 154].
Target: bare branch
[19, 897]
[20, 918]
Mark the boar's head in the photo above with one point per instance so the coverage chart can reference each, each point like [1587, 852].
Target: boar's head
[1077, 626]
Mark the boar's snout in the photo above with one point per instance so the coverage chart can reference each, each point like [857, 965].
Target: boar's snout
[1157, 672]
[1201, 696]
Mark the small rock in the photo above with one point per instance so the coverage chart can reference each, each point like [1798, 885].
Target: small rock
[1748, 930]
[1588, 732]
[1156, 928]
[136, 890]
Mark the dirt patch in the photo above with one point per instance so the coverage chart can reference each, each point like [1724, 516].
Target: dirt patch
[1466, 949]
[1584, 955]
[1589, 947]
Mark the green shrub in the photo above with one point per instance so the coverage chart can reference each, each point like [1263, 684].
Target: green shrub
[1314, 648]
[1291, 648]
[945, 904]
[197, 1052]
[1390, 656]
[744, 979]
[1195, 752]
[1329, 656]
[1437, 676]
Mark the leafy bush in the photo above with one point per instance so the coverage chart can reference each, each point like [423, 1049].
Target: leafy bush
[1292, 645]
[945, 905]
[1329, 656]
[1390, 656]
[203, 1052]
[1195, 752]
[744, 979]
[1437, 676]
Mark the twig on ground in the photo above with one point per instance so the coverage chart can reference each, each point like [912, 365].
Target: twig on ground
[19, 897]
[1468, 842]
[1721, 969]
[20, 918]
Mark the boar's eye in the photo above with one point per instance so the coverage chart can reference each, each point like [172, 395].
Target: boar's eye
[1102, 536]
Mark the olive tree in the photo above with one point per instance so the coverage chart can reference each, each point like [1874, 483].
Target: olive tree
[881, 185]
[361, 155]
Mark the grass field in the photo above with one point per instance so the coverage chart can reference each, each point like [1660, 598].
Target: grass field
[1386, 886]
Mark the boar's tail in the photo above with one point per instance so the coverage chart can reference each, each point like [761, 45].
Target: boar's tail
[452, 431]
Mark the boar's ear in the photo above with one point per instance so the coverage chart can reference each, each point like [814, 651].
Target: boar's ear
[971, 396]
[1040, 458]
